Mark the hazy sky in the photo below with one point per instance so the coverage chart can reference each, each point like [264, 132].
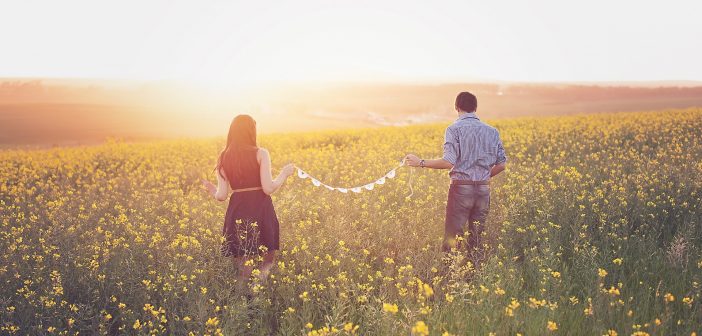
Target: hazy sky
[240, 42]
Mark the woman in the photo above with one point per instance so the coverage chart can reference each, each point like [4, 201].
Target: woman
[250, 225]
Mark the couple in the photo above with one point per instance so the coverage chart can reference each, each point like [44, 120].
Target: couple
[472, 150]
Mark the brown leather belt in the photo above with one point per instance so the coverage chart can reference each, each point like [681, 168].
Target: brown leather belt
[247, 189]
[470, 182]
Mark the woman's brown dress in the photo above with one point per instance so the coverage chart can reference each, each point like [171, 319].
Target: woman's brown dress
[251, 225]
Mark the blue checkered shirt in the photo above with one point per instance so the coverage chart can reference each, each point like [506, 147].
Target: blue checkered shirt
[473, 147]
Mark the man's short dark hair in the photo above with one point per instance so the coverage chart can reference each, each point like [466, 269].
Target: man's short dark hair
[466, 102]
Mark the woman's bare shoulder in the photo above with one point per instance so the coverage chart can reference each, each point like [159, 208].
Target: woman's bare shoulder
[262, 153]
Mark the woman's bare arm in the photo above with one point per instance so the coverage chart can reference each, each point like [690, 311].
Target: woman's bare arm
[223, 188]
[268, 183]
[219, 191]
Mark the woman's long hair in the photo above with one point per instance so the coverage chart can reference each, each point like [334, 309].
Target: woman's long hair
[239, 154]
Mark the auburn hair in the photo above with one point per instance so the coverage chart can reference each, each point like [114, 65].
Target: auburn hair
[239, 153]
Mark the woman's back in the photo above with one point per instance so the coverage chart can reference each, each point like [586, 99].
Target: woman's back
[243, 170]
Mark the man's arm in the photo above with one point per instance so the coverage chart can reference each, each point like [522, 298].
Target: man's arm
[414, 161]
[501, 162]
[498, 168]
[446, 162]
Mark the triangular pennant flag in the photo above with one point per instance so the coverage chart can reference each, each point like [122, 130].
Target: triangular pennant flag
[316, 182]
[356, 189]
[301, 174]
[369, 186]
[343, 190]
[380, 180]
[390, 174]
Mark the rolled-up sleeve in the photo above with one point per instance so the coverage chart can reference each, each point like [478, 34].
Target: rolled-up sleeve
[450, 146]
[501, 157]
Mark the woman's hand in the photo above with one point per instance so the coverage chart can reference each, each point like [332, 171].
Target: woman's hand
[288, 170]
[209, 187]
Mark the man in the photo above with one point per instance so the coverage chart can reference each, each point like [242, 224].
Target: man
[474, 153]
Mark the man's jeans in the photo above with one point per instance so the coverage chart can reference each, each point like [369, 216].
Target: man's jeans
[467, 204]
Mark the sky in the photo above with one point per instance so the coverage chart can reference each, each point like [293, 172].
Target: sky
[244, 42]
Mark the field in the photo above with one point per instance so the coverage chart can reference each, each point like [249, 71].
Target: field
[595, 228]
[45, 113]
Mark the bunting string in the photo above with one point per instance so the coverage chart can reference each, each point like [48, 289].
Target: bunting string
[358, 189]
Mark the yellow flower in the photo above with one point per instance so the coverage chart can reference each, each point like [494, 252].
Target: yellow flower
[611, 332]
[136, 325]
[428, 291]
[390, 308]
[618, 261]
[513, 305]
[309, 325]
[551, 326]
[420, 328]
[668, 297]
[212, 322]
[350, 328]
[601, 272]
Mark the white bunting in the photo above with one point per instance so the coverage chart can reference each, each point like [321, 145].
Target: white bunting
[369, 186]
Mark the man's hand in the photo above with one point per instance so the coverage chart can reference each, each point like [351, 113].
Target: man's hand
[412, 160]
[209, 187]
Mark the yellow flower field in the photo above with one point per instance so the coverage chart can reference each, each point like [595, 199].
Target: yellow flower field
[595, 229]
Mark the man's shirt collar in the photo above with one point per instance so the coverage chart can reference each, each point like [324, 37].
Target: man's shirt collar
[468, 116]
